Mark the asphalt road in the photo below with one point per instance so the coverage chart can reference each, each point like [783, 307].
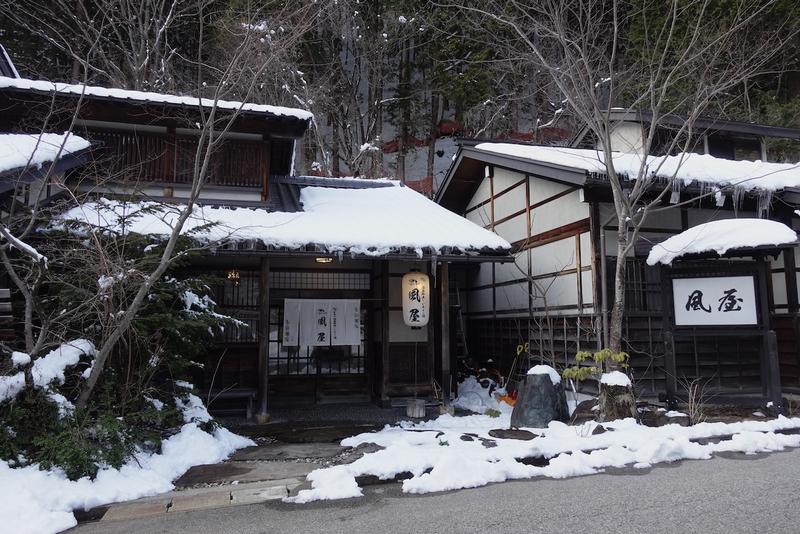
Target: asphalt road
[734, 493]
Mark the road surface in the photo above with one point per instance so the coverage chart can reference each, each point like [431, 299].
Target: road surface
[733, 493]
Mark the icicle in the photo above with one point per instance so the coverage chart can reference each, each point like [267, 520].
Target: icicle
[675, 197]
[738, 193]
[764, 203]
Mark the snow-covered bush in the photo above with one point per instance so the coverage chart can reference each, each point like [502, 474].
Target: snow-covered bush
[89, 283]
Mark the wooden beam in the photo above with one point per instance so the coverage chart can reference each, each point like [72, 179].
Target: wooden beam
[262, 416]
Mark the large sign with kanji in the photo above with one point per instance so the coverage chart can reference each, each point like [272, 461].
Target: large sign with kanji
[715, 300]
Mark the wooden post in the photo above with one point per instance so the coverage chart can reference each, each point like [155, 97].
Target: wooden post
[385, 403]
[670, 367]
[262, 415]
[774, 392]
[444, 300]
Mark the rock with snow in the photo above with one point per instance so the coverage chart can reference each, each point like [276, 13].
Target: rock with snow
[540, 400]
[546, 370]
[720, 237]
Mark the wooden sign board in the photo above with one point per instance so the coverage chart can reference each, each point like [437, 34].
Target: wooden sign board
[715, 301]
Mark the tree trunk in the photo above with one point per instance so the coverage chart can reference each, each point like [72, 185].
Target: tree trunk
[618, 307]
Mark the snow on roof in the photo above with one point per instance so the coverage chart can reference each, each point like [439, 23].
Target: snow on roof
[721, 236]
[373, 222]
[685, 167]
[33, 150]
[142, 96]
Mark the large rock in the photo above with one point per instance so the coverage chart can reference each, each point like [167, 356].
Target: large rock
[539, 401]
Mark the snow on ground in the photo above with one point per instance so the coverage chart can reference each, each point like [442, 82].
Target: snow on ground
[371, 221]
[555, 378]
[474, 397]
[142, 96]
[439, 459]
[685, 167]
[721, 236]
[41, 502]
[24, 150]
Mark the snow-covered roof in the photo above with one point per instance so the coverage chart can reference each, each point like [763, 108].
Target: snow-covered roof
[686, 167]
[720, 237]
[372, 221]
[143, 96]
[33, 150]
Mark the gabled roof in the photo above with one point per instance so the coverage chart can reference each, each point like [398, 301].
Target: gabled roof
[25, 157]
[372, 218]
[114, 94]
[575, 166]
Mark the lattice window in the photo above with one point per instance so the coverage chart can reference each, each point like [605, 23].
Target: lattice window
[319, 280]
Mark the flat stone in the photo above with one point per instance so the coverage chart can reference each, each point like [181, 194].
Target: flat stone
[244, 472]
[257, 495]
[513, 433]
[465, 437]
[599, 429]
[183, 503]
[135, 510]
[288, 451]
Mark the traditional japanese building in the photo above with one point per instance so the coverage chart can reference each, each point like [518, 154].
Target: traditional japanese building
[313, 267]
[554, 205]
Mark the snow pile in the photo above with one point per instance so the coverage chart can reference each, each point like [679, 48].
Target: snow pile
[616, 378]
[33, 150]
[372, 221]
[474, 397]
[555, 378]
[439, 460]
[36, 501]
[685, 167]
[721, 236]
[142, 96]
[46, 369]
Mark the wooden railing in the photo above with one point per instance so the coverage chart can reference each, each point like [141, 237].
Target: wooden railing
[147, 157]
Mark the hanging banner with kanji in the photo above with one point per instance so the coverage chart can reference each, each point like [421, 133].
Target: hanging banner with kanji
[713, 301]
[321, 322]
[291, 322]
[416, 289]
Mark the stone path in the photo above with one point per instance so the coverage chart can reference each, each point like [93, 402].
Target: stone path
[254, 475]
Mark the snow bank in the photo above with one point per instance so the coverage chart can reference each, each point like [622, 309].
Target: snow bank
[615, 378]
[439, 460]
[40, 502]
[555, 378]
[372, 221]
[721, 236]
[685, 167]
[474, 397]
[33, 150]
[142, 96]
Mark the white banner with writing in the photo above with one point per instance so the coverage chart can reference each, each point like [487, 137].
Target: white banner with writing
[715, 300]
